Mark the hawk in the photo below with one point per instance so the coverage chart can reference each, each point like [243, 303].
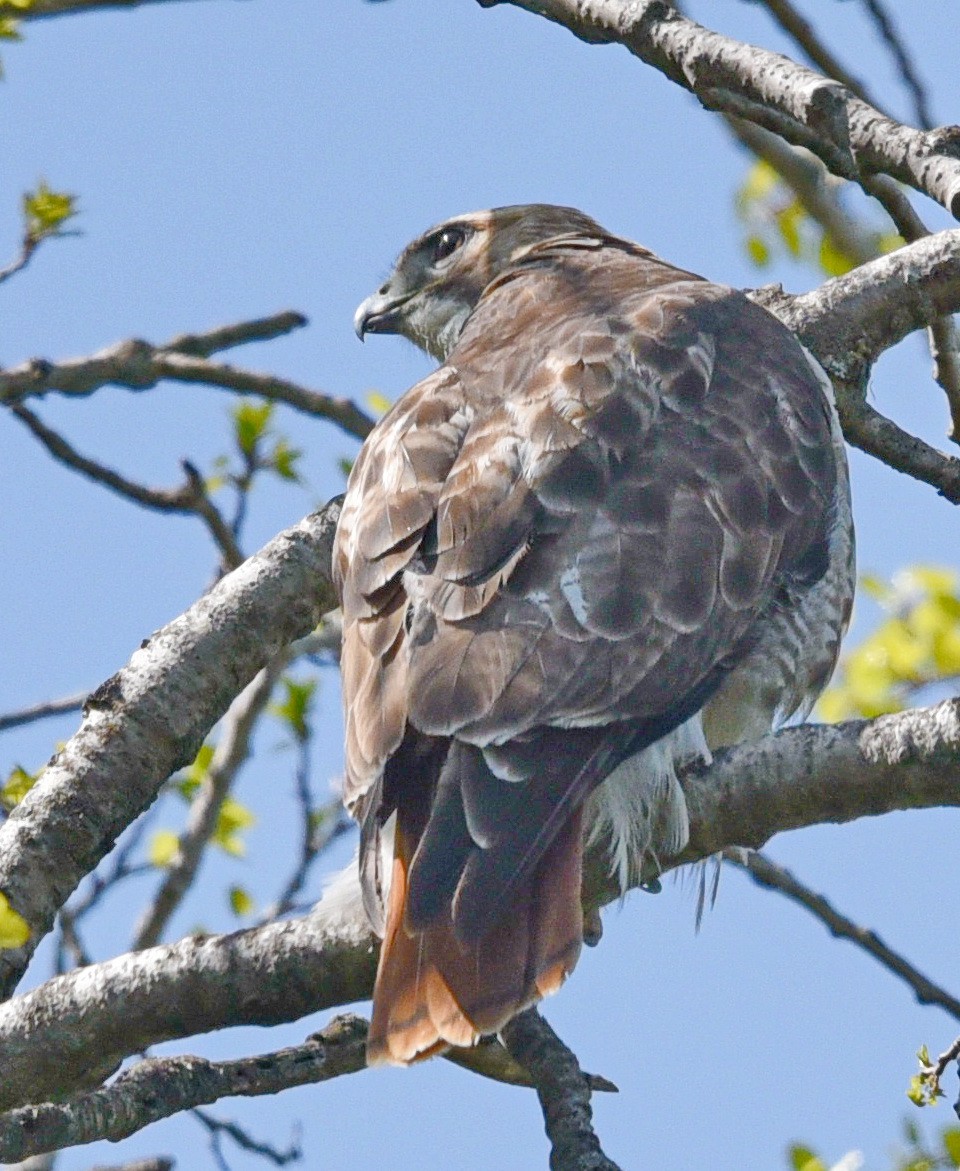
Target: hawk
[610, 532]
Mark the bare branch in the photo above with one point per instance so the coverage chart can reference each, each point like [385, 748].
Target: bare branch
[563, 1090]
[225, 337]
[138, 365]
[151, 718]
[817, 53]
[898, 50]
[21, 260]
[159, 1087]
[849, 321]
[231, 752]
[218, 1128]
[801, 176]
[282, 971]
[41, 711]
[190, 498]
[849, 135]
[767, 874]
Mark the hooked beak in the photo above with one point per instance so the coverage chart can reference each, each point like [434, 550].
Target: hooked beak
[380, 313]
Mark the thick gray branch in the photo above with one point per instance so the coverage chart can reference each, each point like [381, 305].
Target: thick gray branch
[151, 718]
[851, 137]
[564, 1093]
[159, 1087]
[75, 1029]
[849, 321]
[280, 972]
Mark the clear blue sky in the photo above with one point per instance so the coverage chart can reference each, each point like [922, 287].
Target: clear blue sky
[235, 159]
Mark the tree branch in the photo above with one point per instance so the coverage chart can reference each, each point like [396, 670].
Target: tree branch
[849, 321]
[41, 711]
[138, 365]
[282, 971]
[231, 751]
[151, 718]
[850, 136]
[159, 1087]
[563, 1090]
[219, 1128]
[190, 498]
[898, 50]
[768, 874]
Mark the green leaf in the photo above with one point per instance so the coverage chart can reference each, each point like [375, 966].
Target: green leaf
[14, 929]
[378, 403]
[17, 785]
[875, 587]
[164, 847]
[803, 1159]
[232, 818]
[241, 901]
[951, 1144]
[758, 251]
[833, 260]
[284, 461]
[889, 242]
[45, 211]
[251, 422]
[345, 466]
[789, 219]
[917, 1092]
[761, 181]
[195, 774]
[10, 29]
[295, 707]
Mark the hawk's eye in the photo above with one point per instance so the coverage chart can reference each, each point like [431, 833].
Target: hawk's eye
[445, 243]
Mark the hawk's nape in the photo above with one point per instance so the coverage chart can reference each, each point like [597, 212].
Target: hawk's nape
[611, 531]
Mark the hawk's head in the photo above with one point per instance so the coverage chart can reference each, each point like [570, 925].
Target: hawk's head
[439, 278]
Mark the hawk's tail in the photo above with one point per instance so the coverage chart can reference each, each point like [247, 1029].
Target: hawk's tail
[433, 992]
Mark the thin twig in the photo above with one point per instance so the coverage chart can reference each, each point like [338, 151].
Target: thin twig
[817, 53]
[138, 365]
[898, 50]
[42, 711]
[97, 887]
[20, 262]
[225, 337]
[563, 1090]
[217, 1128]
[232, 750]
[189, 499]
[159, 1087]
[768, 874]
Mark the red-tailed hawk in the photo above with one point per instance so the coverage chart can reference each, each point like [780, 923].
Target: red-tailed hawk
[613, 528]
